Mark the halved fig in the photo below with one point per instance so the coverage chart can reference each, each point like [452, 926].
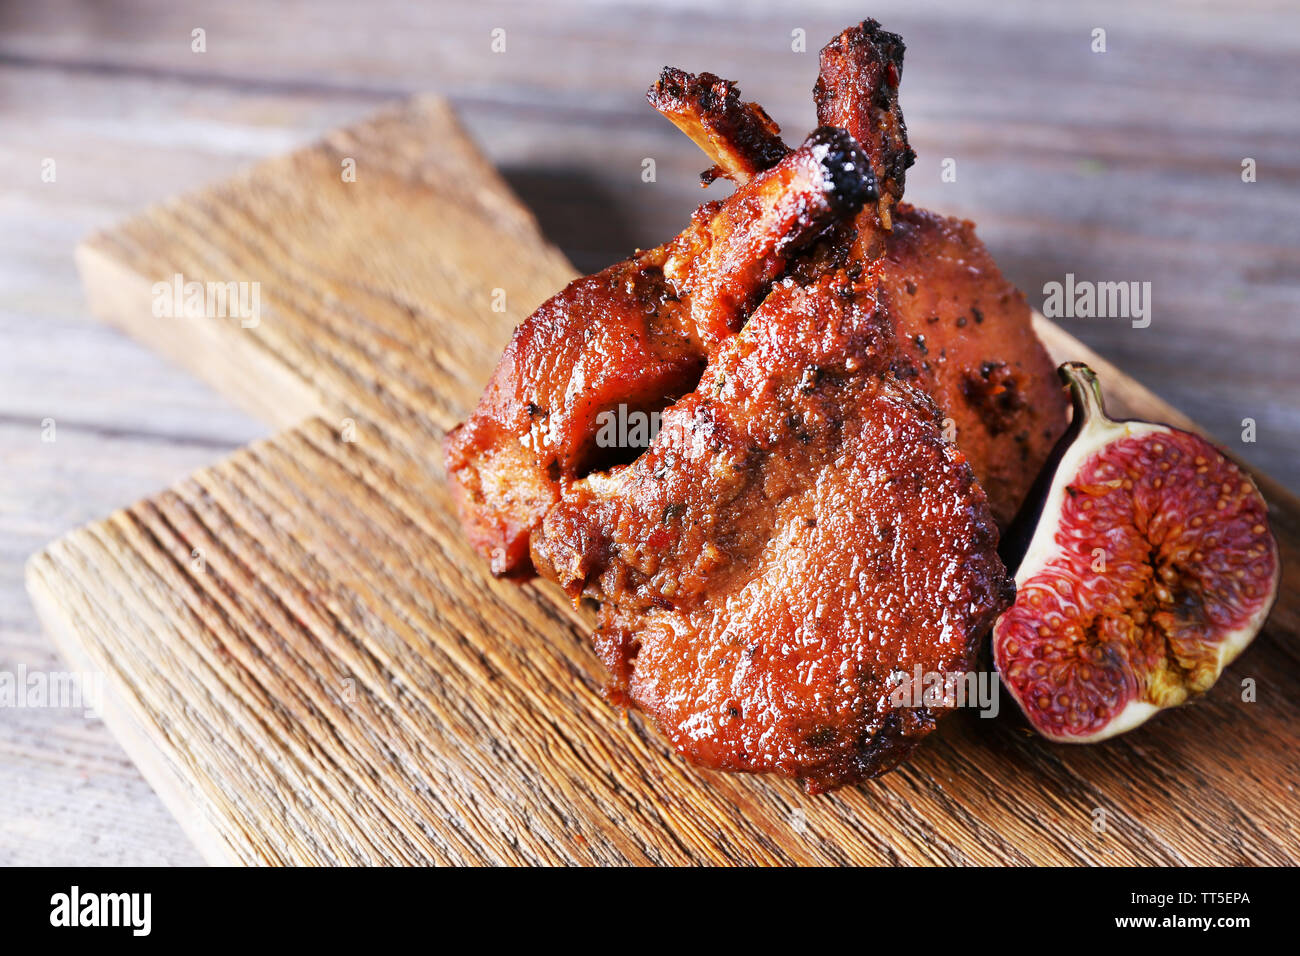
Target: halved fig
[1149, 569]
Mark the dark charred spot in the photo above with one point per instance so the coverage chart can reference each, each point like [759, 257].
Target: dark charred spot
[904, 370]
[710, 175]
[821, 737]
[994, 391]
[902, 162]
[850, 182]
[812, 377]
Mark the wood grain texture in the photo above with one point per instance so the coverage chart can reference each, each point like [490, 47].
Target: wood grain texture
[378, 300]
[129, 422]
[1117, 166]
[1109, 166]
[310, 663]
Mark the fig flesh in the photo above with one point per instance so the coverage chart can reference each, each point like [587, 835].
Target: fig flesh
[1149, 569]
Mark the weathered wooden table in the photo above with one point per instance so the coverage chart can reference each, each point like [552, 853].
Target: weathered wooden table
[1122, 165]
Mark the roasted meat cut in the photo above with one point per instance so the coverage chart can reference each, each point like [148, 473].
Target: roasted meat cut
[966, 328]
[969, 334]
[636, 334]
[802, 529]
[708, 109]
[797, 537]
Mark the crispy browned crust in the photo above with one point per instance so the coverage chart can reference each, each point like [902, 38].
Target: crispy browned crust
[970, 336]
[726, 265]
[966, 329]
[798, 533]
[740, 138]
[634, 335]
[857, 90]
[800, 530]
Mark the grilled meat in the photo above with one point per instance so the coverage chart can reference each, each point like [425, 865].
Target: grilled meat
[637, 335]
[741, 137]
[800, 531]
[798, 536]
[967, 330]
[969, 334]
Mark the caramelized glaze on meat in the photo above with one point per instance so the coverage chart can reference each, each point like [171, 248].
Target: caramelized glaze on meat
[635, 334]
[708, 109]
[857, 90]
[617, 336]
[800, 532]
[797, 536]
[968, 332]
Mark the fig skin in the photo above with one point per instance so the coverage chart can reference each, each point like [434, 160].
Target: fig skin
[1149, 568]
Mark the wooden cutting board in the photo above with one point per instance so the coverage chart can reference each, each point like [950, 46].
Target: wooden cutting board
[311, 666]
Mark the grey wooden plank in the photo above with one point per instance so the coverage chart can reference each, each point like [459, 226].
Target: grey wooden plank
[68, 794]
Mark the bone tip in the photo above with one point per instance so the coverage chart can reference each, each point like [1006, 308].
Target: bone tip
[849, 181]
